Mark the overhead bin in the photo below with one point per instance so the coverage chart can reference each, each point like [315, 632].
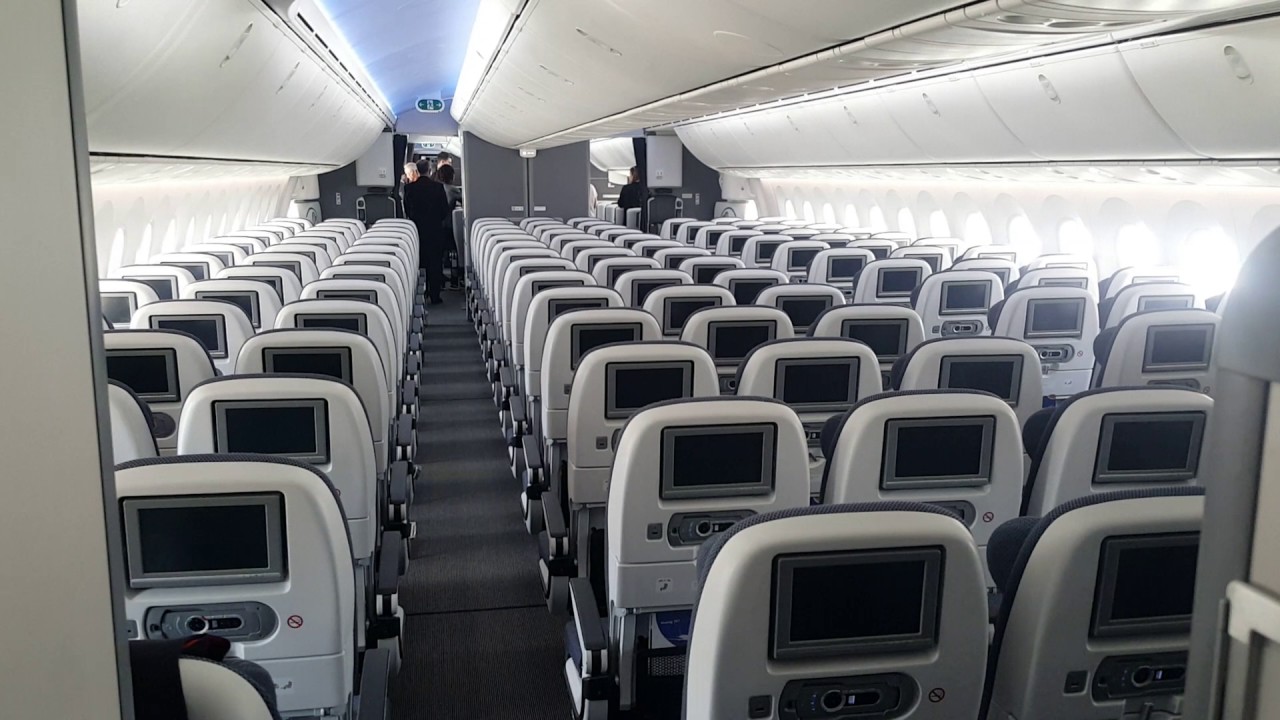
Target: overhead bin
[219, 79]
[950, 121]
[1080, 106]
[1218, 89]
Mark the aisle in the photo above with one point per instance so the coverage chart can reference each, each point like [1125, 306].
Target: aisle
[480, 643]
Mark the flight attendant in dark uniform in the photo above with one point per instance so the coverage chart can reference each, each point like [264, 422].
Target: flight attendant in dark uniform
[632, 195]
[426, 204]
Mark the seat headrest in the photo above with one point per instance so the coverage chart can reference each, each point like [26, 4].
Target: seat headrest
[1104, 308]
[993, 313]
[899, 369]
[1033, 432]
[1103, 343]
[1004, 545]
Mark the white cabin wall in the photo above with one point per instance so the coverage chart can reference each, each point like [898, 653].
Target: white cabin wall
[134, 221]
[1204, 230]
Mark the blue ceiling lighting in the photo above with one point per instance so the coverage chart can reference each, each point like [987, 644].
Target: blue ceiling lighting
[411, 48]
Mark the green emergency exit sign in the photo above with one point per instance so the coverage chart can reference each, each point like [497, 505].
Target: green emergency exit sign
[430, 105]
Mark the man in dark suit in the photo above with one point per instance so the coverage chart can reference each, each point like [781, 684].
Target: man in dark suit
[426, 204]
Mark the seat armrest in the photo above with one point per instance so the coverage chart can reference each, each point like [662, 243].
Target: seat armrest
[490, 332]
[586, 617]
[390, 564]
[375, 684]
[517, 409]
[413, 365]
[409, 392]
[557, 528]
[415, 343]
[532, 453]
[507, 377]
[415, 324]
[398, 497]
[404, 431]
[499, 353]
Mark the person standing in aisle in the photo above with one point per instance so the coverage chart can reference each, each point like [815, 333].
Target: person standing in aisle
[632, 195]
[446, 175]
[426, 204]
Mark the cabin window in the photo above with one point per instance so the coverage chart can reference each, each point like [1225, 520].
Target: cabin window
[808, 212]
[1023, 238]
[790, 210]
[191, 232]
[750, 211]
[938, 225]
[906, 223]
[828, 214]
[1137, 245]
[1209, 261]
[170, 242]
[877, 219]
[850, 215]
[117, 251]
[144, 248]
[1075, 238]
[976, 230]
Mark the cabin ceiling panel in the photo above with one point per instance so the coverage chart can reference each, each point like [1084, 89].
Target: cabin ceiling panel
[411, 48]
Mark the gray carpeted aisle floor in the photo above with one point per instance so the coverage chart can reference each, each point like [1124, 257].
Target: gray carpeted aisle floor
[479, 642]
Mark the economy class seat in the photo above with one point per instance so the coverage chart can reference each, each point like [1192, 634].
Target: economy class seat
[1096, 608]
[794, 258]
[256, 298]
[120, 299]
[1145, 297]
[527, 442]
[1007, 368]
[838, 267]
[1159, 347]
[672, 305]
[683, 470]
[817, 378]
[890, 281]
[611, 384]
[958, 449]
[1126, 438]
[167, 281]
[954, 303]
[160, 367]
[287, 286]
[130, 423]
[874, 609]
[220, 327]
[202, 266]
[804, 303]
[293, 561]
[1061, 323]
[730, 333]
